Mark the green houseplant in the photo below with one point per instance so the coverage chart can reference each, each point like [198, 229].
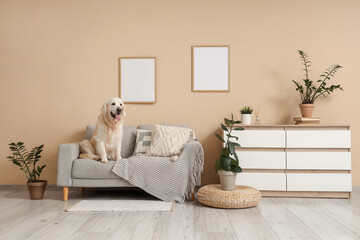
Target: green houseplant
[309, 91]
[228, 164]
[246, 115]
[27, 161]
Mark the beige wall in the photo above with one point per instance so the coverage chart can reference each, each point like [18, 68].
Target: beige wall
[59, 62]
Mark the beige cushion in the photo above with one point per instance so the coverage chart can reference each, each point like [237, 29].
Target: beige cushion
[168, 141]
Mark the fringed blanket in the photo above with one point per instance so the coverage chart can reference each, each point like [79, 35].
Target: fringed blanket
[162, 178]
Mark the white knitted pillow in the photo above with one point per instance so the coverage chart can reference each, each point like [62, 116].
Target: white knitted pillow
[168, 141]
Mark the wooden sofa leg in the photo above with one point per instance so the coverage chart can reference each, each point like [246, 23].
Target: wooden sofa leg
[81, 189]
[193, 196]
[66, 193]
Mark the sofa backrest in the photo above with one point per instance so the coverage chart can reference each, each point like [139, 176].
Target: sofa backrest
[151, 127]
[128, 142]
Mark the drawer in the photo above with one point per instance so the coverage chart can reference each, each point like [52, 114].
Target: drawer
[319, 160]
[320, 182]
[263, 181]
[318, 139]
[260, 138]
[261, 159]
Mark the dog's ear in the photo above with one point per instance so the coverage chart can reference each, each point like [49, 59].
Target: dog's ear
[124, 111]
[103, 108]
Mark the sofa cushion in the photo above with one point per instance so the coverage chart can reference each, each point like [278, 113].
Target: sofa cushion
[143, 141]
[168, 141]
[86, 168]
[128, 142]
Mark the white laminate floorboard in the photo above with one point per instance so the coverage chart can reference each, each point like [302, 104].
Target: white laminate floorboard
[284, 222]
[354, 202]
[211, 220]
[61, 227]
[137, 226]
[178, 224]
[249, 224]
[339, 213]
[318, 221]
[102, 222]
[274, 218]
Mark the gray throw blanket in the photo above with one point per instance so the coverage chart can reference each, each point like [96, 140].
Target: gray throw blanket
[162, 178]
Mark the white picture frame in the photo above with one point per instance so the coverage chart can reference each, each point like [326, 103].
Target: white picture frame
[137, 79]
[210, 68]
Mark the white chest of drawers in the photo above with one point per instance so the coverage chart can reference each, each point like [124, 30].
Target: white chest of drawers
[296, 161]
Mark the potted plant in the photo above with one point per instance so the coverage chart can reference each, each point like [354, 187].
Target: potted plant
[27, 162]
[246, 115]
[228, 165]
[309, 92]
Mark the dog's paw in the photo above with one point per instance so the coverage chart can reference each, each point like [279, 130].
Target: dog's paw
[104, 161]
[117, 159]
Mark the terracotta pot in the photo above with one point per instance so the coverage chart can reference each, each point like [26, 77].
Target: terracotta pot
[37, 189]
[307, 109]
[227, 180]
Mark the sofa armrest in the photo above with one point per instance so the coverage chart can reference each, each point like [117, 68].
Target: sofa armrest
[193, 149]
[67, 154]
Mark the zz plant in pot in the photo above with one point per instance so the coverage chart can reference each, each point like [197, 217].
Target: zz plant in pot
[27, 162]
[228, 164]
[309, 90]
[246, 115]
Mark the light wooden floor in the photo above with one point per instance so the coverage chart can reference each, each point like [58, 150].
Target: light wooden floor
[273, 218]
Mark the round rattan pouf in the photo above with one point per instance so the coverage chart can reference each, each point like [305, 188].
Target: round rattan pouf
[241, 197]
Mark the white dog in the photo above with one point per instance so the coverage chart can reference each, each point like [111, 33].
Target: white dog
[106, 141]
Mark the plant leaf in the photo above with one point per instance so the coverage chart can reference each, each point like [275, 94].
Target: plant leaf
[235, 144]
[228, 122]
[236, 169]
[217, 165]
[236, 158]
[225, 162]
[233, 162]
[234, 137]
[219, 137]
[224, 127]
[231, 148]
[225, 151]
[16, 163]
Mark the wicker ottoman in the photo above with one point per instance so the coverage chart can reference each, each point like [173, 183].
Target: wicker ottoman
[240, 197]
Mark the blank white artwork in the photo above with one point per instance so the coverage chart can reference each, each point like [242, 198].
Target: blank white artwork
[137, 80]
[210, 68]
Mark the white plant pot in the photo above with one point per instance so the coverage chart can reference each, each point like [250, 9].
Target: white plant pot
[227, 180]
[246, 119]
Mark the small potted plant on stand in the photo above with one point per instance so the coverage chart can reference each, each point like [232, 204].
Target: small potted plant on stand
[246, 115]
[27, 162]
[309, 92]
[228, 165]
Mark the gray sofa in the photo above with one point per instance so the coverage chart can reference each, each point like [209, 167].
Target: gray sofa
[75, 172]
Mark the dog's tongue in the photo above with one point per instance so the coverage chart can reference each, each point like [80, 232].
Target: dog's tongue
[117, 117]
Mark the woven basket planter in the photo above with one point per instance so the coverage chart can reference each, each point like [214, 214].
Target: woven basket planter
[240, 197]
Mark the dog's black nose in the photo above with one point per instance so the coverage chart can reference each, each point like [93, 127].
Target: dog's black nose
[118, 110]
